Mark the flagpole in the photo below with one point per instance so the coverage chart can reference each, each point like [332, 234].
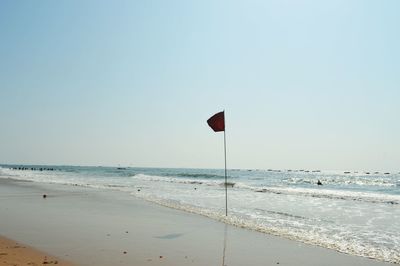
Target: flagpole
[226, 183]
[217, 123]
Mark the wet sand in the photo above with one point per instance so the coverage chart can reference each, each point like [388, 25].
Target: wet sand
[92, 227]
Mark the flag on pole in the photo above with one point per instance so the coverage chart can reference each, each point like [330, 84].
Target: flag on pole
[217, 122]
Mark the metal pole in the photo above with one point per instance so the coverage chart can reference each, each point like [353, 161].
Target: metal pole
[226, 183]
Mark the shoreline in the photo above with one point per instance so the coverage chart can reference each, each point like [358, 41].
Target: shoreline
[93, 227]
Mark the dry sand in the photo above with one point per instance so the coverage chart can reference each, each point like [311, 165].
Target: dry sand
[16, 254]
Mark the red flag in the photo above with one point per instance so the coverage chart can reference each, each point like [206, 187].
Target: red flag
[217, 122]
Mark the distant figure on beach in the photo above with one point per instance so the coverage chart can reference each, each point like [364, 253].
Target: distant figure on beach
[319, 183]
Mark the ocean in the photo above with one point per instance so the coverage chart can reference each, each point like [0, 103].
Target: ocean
[356, 213]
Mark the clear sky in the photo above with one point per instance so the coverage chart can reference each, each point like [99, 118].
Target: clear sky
[305, 84]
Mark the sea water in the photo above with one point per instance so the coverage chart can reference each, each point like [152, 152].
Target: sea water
[352, 212]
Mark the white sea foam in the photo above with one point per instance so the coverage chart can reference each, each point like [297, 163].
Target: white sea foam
[315, 192]
[340, 241]
[168, 179]
[346, 180]
[334, 194]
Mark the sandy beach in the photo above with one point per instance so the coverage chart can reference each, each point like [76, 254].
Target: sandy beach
[92, 227]
[14, 253]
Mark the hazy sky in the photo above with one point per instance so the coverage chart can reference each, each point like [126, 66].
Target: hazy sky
[305, 84]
